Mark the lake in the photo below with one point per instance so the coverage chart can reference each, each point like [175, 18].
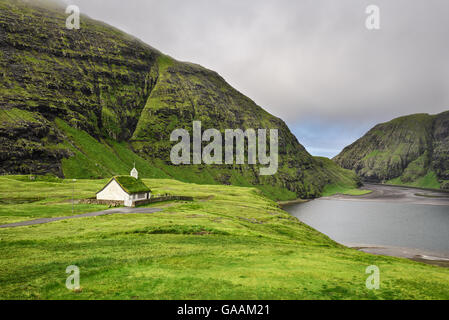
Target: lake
[388, 223]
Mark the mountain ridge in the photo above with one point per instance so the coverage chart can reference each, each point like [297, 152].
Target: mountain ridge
[409, 150]
[89, 103]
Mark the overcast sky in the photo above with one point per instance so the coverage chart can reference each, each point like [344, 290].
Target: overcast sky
[312, 63]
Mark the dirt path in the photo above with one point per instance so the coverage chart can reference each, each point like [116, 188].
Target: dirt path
[89, 214]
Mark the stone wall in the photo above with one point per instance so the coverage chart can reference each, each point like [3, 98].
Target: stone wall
[111, 203]
[116, 203]
[161, 199]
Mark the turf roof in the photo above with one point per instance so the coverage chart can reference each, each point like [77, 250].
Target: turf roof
[131, 184]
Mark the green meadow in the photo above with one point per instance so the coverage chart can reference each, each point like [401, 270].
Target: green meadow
[229, 243]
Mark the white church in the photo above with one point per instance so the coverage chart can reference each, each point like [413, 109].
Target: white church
[128, 189]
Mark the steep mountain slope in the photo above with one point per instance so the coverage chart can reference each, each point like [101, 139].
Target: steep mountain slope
[88, 103]
[96, 79]
[411, 150]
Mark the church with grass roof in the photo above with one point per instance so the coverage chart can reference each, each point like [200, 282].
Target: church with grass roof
[128, 189]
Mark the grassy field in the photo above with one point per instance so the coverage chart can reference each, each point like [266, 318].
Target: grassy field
[230, 243]
[430, 181]
[332, 189]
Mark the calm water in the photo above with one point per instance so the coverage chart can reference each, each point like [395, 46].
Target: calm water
[377, 223]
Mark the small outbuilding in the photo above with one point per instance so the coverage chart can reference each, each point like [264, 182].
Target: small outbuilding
[125, 188]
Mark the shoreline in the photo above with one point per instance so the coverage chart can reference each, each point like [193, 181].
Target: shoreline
[282, 204]
[405, 186]
[396, 194]
[424, 256]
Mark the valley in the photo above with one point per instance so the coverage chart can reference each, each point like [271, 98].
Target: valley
[241, 217]
[229, 243]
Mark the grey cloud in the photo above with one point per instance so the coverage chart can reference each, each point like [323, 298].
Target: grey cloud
[304, 59]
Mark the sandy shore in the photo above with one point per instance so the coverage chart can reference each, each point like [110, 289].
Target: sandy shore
[429, 257]
[387, 193]
[286, 203]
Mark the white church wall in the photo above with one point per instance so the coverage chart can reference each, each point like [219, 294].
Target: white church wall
[113, 192]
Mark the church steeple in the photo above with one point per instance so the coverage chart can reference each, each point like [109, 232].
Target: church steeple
[134, 172]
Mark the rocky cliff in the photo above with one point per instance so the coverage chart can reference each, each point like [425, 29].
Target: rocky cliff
[411, 150]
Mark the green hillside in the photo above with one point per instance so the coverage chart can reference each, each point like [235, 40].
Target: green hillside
[88, 103]
[229, 243]
[411, 150]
